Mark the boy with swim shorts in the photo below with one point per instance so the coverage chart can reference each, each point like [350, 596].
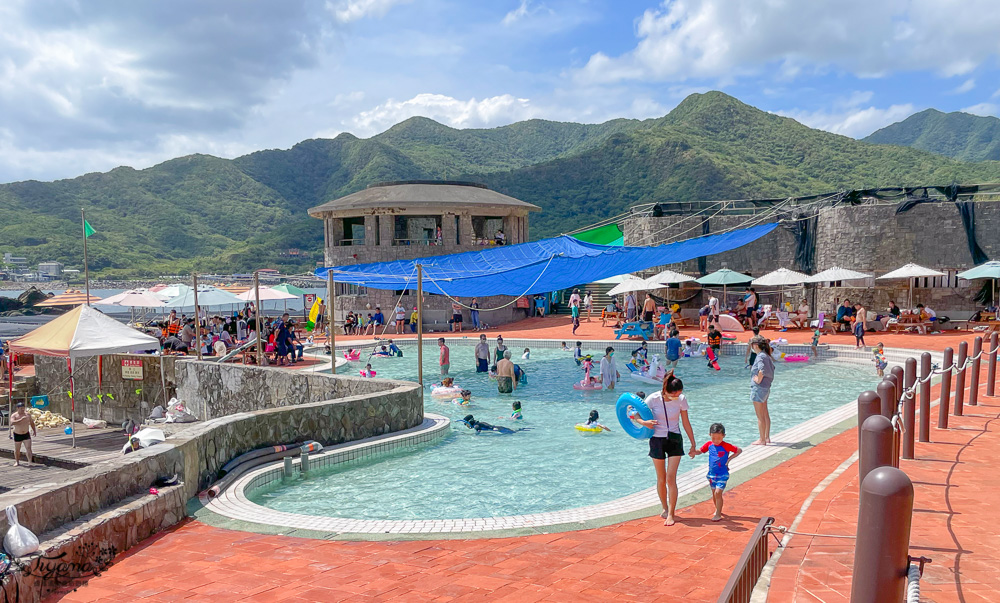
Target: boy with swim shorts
[878, 357]
[719, 452]
[444, 357]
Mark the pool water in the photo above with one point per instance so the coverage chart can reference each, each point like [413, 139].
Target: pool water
[548, 465]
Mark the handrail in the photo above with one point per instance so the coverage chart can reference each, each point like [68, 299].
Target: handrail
[350, 242]
[747, 571]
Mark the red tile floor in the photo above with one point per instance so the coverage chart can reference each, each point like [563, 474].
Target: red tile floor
[637, 560]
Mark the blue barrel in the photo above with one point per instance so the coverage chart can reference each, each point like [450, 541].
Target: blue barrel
[628, 404]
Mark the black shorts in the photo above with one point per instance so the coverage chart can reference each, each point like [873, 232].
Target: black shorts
[22, 437]
[456, 317]
[647, 317]
[661, 448]
[482, 366]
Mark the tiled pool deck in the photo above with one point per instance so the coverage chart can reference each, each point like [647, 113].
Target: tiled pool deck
[635, 559]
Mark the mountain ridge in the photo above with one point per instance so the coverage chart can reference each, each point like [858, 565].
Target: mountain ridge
[958, 135]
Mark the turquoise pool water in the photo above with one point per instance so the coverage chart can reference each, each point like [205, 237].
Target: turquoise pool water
[550, 465]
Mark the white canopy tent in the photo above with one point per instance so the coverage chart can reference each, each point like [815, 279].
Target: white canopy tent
[910, 272]
[79, 333]
[837, 274]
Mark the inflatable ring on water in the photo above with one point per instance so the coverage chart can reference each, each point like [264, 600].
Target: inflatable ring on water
[622, 410]
[355, 356]
[588, 428]
[583, 385]
[796, 358]
[370, 373]
[445, 392]
[728, 337]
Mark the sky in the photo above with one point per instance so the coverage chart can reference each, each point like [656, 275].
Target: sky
[89, 85]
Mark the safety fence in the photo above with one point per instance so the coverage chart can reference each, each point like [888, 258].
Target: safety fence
[755, 556]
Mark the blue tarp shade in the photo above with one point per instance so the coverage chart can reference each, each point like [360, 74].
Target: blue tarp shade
[546, 265]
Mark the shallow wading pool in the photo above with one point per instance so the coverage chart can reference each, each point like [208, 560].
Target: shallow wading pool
[547, 465]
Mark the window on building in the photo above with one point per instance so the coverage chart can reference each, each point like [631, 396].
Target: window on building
[484, 228]
[416, 230]
[354, 231]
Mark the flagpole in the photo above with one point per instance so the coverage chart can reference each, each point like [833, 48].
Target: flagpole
[86, 268]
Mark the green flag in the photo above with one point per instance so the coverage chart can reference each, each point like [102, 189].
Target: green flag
[87, 229]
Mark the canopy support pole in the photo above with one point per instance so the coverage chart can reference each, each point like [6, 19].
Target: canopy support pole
[163, 378]
[256, 314]
[331, 299]
[86, 267]
[420, 329]
[197, 317]
[72, 401]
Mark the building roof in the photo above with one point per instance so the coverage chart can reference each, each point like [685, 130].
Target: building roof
[409, 194]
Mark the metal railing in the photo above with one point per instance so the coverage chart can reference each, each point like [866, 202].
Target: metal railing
[404, 242]
[351, 242]
[747, 571]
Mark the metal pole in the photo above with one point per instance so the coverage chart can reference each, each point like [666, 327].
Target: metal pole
[72, 402]
[331, 299]
[963, 352]
[86, 267]
[420, 328]
[977, 349]
[887, 397]
[909, 408]
[949, 357]
[869, 403]
[197, 317]
[256, 314]
[881, 549]
[991, 367]
[925, 397]
[898, 372]
[876, 445]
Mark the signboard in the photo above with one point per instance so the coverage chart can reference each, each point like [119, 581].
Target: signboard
[132, 369]
[308, 299]
[522, 302]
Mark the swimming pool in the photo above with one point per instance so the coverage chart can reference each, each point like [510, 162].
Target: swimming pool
[549, 465]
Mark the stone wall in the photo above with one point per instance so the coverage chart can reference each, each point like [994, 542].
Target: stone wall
[125, 403]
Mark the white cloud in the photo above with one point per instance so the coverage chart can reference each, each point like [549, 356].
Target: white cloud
[983, 109]
[517, 14]
[352, 10]
[719, 38]
[964, 87]
[849, 116]
[472, 113]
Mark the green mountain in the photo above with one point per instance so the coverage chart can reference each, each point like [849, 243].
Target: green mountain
[210, 214]
[959, 135]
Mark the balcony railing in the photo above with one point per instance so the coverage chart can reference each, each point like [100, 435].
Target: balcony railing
[350, 242]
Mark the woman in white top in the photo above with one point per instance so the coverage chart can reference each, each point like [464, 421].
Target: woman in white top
[588, 303]
[801, 318]
[670, 412]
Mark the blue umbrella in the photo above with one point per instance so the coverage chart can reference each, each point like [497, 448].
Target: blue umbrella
[990, 269]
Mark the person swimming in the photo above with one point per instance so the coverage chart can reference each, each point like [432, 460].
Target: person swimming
[394, 350]
[471, 422]
[368, 372]
[465, 398]
[593, 421]
[448, 382]
[526, 355]
[563, 348]
[516, 414]
[384, 351]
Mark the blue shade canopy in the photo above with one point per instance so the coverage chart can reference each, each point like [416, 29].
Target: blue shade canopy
[546, 265]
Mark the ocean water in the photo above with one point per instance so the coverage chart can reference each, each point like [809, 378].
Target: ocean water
[547, 465]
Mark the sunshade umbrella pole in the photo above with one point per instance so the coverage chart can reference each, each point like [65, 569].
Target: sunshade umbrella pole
[86, 268]
[330, 300]
[197, 317]
[256, 292]
[420, 329]
[72, 403]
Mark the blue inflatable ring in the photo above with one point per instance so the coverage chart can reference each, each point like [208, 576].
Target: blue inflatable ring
[625, 401]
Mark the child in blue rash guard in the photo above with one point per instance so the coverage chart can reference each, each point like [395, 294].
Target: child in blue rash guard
[719, 452]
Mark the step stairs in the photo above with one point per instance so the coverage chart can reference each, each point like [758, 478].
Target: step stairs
[598, 290]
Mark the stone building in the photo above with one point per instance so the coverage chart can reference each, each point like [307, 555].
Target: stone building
[412, 219]
[870, 238]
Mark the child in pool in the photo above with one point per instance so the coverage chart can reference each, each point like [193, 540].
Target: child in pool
[635, 363]
[368, 372]
[384, 351]
[815, 344]
[515, 414]
[447, 382]
[526, 355]
[878, 357]
[471, 422]
[592, 421]
[394, 349]
[578, 353]
[588, 365]
[465, 399]
[564, 348]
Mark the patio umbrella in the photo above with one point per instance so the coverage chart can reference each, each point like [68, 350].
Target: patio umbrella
[988, 270]
[780, 278]
[725, 277]
[266, 293]
[910, 272]
[133, 299]
[69, 298]
[166, 292]
[290, 289]
[669, 277]
[207, 296]
[633, 284]
[837, 274]
[617, 280]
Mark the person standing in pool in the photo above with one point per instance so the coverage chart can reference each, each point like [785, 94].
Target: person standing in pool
[673, 348]
[761, 377]
[609, 372]
[501, 348]
[578, 353]
[666, 447]
[444, 357]
[482, 355]
[506, 379]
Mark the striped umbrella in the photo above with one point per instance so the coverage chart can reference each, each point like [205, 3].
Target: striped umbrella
[69, 298]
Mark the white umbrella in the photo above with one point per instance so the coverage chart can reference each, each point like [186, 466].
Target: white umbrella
[133, 299]
[837, 274]
[617, 280]
[636, 284]
[171, 291]
[668, 277]
[779, 278]
[266, 293]
[207, 296]
[910, 272]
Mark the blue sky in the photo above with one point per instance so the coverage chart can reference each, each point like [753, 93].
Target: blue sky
[87, 86]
